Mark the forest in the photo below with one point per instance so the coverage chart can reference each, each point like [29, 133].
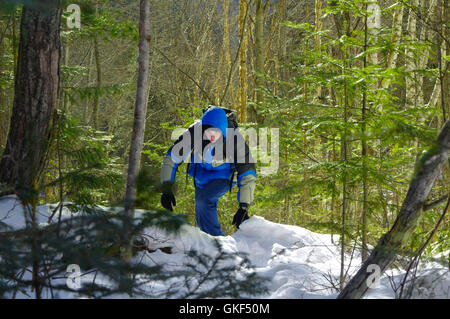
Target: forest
[345, 106]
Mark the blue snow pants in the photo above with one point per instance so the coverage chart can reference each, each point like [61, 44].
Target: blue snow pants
[206, 199]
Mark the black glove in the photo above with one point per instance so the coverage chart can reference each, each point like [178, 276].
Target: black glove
[241, 215]
[168, 198]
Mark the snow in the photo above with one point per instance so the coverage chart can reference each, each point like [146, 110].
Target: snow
[298, 263]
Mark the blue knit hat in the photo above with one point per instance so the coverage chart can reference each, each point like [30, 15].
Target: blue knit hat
[216, 117]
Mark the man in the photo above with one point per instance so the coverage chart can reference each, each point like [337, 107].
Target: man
[216, 153]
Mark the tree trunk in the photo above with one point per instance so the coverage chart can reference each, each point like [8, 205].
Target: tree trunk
[99, 80]
[243, 61]
[441, 51]
[397, 32]
[99, 84]
[345, 155]
[317, 40]
[364, 254]
[392, 242]
[259, 54]
[373, 25]
[35, 99]
[140, 112]
[225, 59]
[410, 64]
[226, 43]
[445, 83]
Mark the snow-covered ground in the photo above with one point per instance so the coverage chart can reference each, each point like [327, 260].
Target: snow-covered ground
[298, 263]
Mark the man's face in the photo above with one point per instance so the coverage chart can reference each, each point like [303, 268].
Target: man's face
[213, 134]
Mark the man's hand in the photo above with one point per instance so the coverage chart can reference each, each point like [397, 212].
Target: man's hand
[168, 198]
[241, 215]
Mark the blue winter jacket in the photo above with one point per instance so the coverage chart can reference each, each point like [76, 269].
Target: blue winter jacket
[208, 161]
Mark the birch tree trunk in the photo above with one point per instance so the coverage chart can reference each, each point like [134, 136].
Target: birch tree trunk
[397, 32]
[139, 113]
[373, 25]
[391, 243]
[397, 26]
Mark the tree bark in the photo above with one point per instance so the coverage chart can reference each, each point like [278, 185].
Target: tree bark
[99, 79]
[226, 42]
[410, 63]
[243, 61]
[346, 150]
[397, 32]
[317, 40]
[98, 86]
[364, 253]
[140, 106]
[259, 54]
[430, 166]
[35, 99]
[140, 113]
[373, 25]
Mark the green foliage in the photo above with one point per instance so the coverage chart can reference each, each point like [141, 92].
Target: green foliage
[307, 190]
[147, 187]
[82, 166]
[101, 21]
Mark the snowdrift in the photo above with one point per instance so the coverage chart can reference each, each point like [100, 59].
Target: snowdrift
[296, 262]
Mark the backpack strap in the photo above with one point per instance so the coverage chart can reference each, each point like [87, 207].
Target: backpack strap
[188, 166]
[232, 174]
[193, 177]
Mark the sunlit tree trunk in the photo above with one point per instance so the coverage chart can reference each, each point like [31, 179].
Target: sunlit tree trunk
[98, 85]
[345, 187]
[424, 37]
[397, 27]
[259, 54]
[364, 253]
[391, 59]
[243, 61]
[280, 43]
[410, 64]
[373, 25]
[317, 40]
[225, 58]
